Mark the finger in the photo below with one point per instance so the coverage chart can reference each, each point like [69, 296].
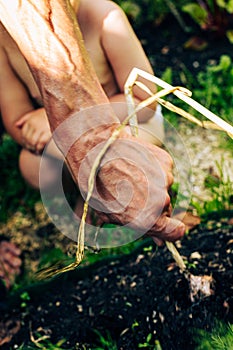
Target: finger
[165, 158]
[42, 142]
[166, 205]
[166, 163]
[25, 131]
[158, 241]
[169, 210]
[170, 179]
[39, 147]
[45, 136]
[27, 134]
[34, 138]
[21, 121]
[174, 229]
[29, 144]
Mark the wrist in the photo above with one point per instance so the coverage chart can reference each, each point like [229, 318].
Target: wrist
[81, 132]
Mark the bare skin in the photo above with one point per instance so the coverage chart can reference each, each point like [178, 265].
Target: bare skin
[10, 262]
[114, 50]
[67, 82]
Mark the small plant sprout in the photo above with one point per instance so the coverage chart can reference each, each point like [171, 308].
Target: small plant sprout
[185, 95]
[41, 340]
[220, 337]
[106, 342]
[25, 298]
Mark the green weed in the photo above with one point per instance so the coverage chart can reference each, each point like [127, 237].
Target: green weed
[212, 87]
[25, 298]
[131, 9]
[220, 187]
[15, 194]
[215, 88]
[148, 344]
[42, 342]
[142, 12]
[221, 338]
[106, 342]
[212, 16]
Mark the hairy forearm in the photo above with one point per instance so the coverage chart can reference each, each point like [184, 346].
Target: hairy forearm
[56, 55]
[61, 67]
[54, 49]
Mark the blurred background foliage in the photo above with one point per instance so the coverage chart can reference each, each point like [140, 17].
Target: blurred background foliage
[15, 194]
[214, 17]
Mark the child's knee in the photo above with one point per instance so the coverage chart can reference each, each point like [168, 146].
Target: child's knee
[46, 177]
[29, 167]
[153, 130]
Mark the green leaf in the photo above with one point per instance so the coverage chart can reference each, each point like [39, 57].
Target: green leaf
[131, 9]
[167, 75]
[228, 5]
[221, 3]
[198, 13]
[225, 62]
[229, 34]
[148, 339]
[25, 296]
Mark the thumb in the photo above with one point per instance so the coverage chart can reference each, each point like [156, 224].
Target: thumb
[167, 229]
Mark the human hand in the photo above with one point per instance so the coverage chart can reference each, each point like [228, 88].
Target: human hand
[9, 262]
[69, 84]
[132, 188]
[35, 130]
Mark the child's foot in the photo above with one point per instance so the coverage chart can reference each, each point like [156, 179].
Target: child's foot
[10, 263]
[8, 328]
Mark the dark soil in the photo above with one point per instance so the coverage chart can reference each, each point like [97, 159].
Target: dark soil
[131, 296]
[135, 295]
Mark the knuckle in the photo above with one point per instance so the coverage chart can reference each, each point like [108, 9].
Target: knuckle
[167, 201]
[170, 179]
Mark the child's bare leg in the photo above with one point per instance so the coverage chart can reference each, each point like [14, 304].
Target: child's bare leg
[153, 130]
[29, 164]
